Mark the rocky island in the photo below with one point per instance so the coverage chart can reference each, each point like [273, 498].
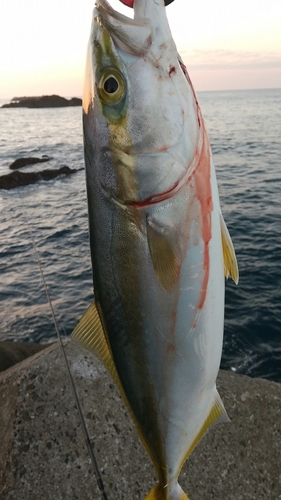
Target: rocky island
[44, 101]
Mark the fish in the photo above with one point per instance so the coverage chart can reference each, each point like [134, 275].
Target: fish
[160, 248]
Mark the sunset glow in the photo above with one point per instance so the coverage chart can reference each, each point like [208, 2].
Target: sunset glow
[224, 45]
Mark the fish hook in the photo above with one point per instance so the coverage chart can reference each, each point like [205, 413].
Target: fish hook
[130, 3]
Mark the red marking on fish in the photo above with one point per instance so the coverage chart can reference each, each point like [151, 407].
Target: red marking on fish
[200, 182]
[171, 348]
[202, 177]
[172, 70]
[151, 200]
[185, 72]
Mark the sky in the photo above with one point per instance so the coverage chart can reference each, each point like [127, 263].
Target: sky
[225, 44]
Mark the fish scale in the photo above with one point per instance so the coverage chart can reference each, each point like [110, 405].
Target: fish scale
[159, 245]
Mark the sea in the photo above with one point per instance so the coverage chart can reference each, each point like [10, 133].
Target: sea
[245, 133]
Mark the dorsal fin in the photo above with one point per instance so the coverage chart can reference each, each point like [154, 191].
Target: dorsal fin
[230, 262]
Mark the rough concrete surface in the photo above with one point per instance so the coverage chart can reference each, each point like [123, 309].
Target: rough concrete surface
[43, 453]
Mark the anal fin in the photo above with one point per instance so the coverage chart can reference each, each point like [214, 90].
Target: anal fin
[230, 262]
[216, 415]
[89, 333]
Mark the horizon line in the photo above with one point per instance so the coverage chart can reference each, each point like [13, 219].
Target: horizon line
[211, 90]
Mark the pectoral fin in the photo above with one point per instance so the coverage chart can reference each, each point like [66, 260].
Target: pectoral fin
[164, 255]
[230, 262]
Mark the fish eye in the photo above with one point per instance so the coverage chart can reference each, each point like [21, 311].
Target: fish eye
[111, 86]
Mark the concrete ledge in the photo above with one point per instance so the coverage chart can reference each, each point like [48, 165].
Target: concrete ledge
[43, 454]
[14, 352]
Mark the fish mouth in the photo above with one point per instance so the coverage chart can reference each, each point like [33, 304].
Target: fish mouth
[130, 35]
[136, 36]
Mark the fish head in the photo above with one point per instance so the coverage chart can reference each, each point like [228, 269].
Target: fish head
[137, 102]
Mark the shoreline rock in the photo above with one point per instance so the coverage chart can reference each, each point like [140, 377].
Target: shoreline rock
[17, 179]
[30, 160]
[43, 452]
[45, 101]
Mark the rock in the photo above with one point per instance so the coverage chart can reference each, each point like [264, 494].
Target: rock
[17, 179]
[14, 352]
[43, 451]
[75, 101]
[22, 98]
[23, 162]
[45, 101]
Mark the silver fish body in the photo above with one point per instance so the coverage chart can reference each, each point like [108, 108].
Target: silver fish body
[159, 245]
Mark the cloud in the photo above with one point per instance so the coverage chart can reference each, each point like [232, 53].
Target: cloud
[222, 59]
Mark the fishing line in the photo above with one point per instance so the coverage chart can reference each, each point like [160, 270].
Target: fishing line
[83, 423]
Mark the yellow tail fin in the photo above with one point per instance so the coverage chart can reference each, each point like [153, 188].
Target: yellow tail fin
[160, 493]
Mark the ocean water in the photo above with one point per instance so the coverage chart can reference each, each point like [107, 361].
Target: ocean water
[245, 133]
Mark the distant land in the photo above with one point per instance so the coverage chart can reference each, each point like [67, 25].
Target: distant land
[44, 101]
